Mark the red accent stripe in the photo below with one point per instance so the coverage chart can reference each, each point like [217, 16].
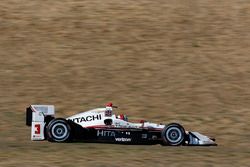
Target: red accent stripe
[113, 127]
[96, 126]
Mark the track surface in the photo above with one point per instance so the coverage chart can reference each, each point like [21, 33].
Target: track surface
[165, 61]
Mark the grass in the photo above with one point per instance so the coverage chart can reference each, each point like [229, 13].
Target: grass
[159, 60]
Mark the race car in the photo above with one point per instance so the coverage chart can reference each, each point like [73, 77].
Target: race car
[103, 126]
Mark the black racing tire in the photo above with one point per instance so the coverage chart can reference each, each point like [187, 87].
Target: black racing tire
[58, 130]
[173, 135]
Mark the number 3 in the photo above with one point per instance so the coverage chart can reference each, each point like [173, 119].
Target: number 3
[38, 129]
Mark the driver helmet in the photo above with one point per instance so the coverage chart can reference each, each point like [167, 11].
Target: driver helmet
[122, 117]
[109, 104]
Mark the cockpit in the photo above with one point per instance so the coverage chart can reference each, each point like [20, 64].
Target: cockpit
[122, 117]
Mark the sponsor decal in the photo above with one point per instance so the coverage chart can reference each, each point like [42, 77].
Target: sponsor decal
[122, 139]
[87, 118]
[108, 112]
[144, 136]
[127, 133]
[37, 128]
[104, 133]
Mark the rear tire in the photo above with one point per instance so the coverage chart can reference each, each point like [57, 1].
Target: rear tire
[58, 130]
[173, 134]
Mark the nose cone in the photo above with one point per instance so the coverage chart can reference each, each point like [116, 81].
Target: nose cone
[196, 138]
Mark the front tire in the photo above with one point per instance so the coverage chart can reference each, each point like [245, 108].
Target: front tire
[173, 134]
[58, 130]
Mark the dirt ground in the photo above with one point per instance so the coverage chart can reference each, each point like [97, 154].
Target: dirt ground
[164, 60]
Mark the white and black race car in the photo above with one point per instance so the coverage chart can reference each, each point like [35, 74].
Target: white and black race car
[101, 125]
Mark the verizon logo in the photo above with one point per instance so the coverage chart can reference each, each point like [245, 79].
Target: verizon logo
[123, 139]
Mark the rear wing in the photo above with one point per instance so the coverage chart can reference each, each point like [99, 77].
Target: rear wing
[36, 117]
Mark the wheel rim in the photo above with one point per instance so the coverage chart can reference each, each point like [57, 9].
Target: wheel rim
[59, 131]
[174, 135]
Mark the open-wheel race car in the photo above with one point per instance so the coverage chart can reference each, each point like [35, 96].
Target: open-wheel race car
[102, 125]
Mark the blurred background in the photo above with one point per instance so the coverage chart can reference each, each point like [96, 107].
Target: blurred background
[164, 60]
